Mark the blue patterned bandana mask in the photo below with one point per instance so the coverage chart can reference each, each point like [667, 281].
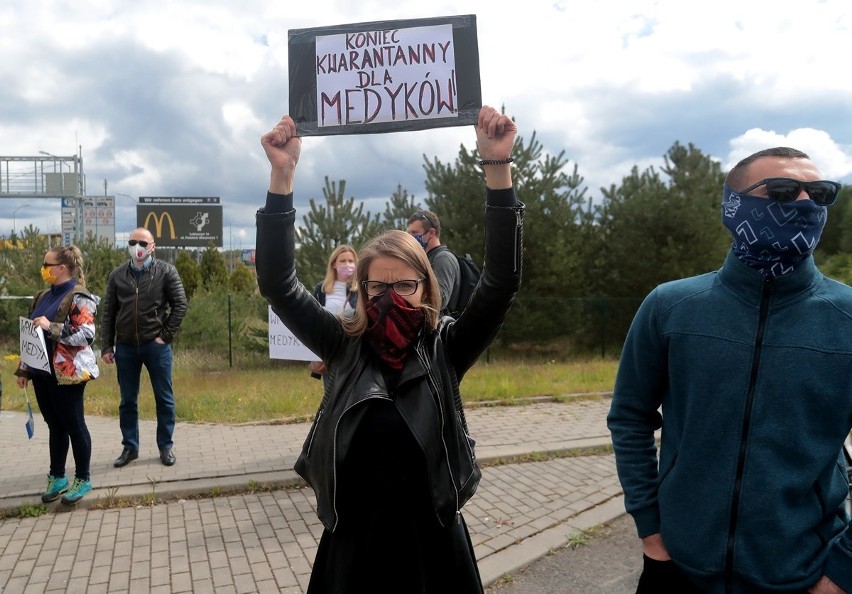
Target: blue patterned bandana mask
[770, 236]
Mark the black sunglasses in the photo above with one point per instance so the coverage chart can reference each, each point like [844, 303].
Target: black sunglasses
[784, 189]
[422, 216]
[141, 242]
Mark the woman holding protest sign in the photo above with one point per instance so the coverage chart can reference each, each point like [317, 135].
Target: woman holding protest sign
[389, 456]
[65, 312]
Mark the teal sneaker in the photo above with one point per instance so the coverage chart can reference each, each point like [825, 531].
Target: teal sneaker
[79, 489]
[56, 486]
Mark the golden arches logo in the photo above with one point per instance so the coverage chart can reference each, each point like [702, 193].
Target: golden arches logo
[158, 223]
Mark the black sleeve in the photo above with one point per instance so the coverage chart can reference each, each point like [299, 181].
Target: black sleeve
[505, 198]
[278, 203]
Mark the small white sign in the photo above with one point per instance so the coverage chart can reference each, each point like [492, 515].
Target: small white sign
[33, 348]
[282, 343]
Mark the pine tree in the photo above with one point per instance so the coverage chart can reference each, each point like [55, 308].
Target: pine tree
[189, 272]
[555, 202]
[214, 273]
[326, 225]
[399, 209]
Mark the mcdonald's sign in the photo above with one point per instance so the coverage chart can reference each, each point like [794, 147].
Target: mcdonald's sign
[182, 225]
[157, 232]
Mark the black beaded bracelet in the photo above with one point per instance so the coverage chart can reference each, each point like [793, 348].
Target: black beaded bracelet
[505, 161]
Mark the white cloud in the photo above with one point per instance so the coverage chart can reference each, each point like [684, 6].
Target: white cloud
[171, 97]
[833, 160]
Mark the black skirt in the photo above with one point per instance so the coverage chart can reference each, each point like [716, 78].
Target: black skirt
[388, 538]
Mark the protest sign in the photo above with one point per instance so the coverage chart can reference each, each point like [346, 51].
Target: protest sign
[385, 76]
[282, 343]
[33, 349]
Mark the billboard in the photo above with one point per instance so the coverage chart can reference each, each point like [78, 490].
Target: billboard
[99, 218]
[384, 76]
[180, 221]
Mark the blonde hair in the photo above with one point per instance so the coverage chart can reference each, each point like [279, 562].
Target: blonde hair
[331, 273]
[402, 246]
[71, 257]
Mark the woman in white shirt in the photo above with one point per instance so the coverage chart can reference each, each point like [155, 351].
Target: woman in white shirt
[337, 292]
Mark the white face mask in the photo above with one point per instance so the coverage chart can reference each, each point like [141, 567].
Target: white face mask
[137, 252]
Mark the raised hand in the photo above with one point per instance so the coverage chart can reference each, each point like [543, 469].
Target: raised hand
[283, 149]
[495, 134]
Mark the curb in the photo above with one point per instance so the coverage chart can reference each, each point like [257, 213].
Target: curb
[521, 554]
[142, 494]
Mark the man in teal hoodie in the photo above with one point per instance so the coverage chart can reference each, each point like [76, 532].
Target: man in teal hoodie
[748, 372]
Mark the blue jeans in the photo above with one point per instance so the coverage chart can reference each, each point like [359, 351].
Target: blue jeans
[157, 359]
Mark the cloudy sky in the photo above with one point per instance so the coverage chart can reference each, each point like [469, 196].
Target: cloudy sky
[170, 98]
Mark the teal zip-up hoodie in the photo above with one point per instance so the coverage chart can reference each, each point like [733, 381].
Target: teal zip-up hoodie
[753, 377]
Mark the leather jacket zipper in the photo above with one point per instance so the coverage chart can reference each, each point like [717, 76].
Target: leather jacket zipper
[765, 293]
[136, 307]
[437, 396]
[517, 253]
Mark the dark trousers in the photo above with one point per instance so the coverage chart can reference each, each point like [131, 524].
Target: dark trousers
[661, 577]
[62, 409]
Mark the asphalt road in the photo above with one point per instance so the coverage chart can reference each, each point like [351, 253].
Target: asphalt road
[609, 562]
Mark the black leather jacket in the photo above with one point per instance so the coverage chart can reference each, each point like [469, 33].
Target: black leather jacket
[138, 311]
[427, 394]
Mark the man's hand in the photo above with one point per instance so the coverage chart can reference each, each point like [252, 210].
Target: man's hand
[22, 382]
[826, 586]
[108, 358]
[159, 340]
[654, 547]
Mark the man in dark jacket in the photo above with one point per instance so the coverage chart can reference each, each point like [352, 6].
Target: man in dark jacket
[748, 372]
[143, 307]
[425, 227]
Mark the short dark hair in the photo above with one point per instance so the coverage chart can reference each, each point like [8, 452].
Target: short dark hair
[737, 175]
[429, 219]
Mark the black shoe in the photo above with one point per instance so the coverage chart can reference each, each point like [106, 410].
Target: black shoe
[126, 456]
[167, 457]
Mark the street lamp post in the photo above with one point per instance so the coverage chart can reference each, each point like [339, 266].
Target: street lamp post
[15, 212]
[59, 159]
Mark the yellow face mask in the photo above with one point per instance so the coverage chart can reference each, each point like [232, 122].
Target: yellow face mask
[47, 275]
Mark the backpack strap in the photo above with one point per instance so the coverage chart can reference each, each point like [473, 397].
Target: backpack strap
[65, 304]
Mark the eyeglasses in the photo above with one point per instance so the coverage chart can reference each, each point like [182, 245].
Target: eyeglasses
[50, 264]
[784, 189]
[141, 242]
[403, 288]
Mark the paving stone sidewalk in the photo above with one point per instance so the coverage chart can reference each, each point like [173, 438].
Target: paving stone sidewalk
[266, 540]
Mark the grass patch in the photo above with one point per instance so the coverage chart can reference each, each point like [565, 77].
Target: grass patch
[575, 541]
[207, 390]
[545, 456]
[27, 510]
